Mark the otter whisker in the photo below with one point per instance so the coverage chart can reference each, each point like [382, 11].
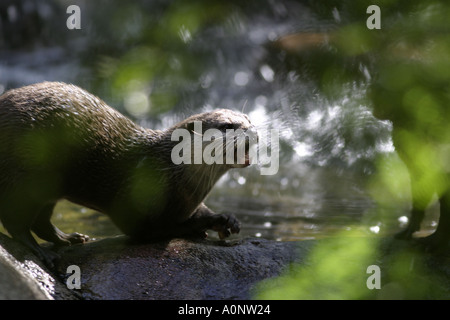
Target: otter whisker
[245, 104]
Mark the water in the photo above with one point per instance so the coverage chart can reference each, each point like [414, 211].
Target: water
[159, 61]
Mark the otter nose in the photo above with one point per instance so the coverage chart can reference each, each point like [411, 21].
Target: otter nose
[253, 134]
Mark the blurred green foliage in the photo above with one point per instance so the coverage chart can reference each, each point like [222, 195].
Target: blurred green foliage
[339, 269]
[405, 70]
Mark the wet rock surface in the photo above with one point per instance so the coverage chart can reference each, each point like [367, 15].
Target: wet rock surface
[24, 277]
[115, 268]
[177, 269]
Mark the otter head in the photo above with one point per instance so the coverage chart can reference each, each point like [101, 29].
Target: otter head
[222, 138]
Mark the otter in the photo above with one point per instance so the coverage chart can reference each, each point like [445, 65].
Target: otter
[58, 141]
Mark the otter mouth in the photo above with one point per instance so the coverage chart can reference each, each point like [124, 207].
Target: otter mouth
[241, 165]
[243, 161]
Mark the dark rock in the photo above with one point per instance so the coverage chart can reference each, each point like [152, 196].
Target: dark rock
[177, 269]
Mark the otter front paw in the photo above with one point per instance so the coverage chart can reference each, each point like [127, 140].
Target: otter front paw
[225, 225]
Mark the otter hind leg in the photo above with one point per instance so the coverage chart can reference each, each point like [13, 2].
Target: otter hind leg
[45, 230]
[43, 254]
[18, 227]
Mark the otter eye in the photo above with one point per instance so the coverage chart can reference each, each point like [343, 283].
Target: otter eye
[226, 126]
